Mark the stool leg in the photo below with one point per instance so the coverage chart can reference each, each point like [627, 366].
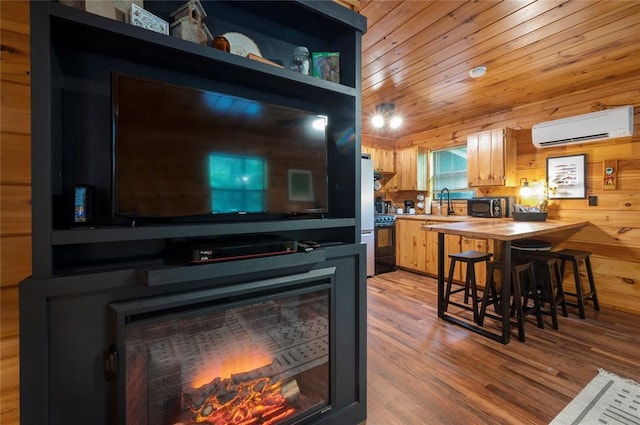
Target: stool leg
[471, 279]
[530, 291]
[560, 290]
[533, 288]
[517, 301]
[592, 284]
[489, 288]
[467, 283]
[576, 276]
[551, 291]
[447, 293]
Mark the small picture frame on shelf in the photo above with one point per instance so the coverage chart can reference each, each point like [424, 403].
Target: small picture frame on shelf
[326, 65]
[139, 17]
[300, 185]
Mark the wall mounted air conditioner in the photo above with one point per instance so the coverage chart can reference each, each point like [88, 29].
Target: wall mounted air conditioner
[592, 127]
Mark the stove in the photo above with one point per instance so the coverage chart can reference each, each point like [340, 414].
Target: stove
[384, 220]
[385, 243]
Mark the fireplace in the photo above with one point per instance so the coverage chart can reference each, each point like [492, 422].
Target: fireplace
[279, 341]
[207, 357]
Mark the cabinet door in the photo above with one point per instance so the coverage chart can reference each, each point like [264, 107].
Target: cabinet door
[411, 244]
[452, 245]
[411, 169]
[385, 161]
[491, 158]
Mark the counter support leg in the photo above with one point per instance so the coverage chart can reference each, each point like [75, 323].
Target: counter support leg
[440, 274]
[506, 292]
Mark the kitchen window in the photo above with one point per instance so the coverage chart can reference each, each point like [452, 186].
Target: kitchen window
[449, 170]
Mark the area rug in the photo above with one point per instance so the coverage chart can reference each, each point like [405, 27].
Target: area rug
[607, 399]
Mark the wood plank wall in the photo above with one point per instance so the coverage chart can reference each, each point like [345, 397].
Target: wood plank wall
[614, 233]
[15, 192]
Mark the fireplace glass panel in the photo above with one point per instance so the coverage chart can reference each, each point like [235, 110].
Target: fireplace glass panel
[263, 362]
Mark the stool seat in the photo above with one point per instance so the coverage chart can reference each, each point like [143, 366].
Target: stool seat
[575, 256]
[470, 258]
[531, 245]
[571, 254]
[471, 255]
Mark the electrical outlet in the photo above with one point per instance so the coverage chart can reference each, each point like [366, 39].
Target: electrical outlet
[593, 201]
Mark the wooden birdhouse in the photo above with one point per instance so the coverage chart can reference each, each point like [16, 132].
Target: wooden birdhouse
[189, 23]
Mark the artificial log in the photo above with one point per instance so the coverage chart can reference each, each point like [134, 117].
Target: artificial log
[242, 399]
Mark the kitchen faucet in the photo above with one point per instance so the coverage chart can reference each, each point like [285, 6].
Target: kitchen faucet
[450, 210]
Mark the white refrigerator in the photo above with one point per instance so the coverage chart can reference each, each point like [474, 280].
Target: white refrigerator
[366, 214]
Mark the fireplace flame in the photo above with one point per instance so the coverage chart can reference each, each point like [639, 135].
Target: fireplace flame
[230, 365]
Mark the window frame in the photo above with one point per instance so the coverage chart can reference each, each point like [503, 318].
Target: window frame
[459, 193]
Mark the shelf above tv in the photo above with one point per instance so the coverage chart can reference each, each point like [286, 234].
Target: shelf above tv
[96, 34]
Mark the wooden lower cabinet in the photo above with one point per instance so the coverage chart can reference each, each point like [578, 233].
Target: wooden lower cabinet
[452, 245]
[417, 249]
[411, 245]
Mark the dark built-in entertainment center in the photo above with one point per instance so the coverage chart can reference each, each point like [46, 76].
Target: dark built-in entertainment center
[81, 271]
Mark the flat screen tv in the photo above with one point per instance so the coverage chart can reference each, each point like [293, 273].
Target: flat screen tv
[185, 153]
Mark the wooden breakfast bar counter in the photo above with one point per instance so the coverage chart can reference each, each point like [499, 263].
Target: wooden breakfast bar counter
[505, 231]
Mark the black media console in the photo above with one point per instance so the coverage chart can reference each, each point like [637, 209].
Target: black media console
[77, 273]
[211, 250]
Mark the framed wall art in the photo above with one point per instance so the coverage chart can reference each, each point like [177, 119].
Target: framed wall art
[567, 177]
[300, 185]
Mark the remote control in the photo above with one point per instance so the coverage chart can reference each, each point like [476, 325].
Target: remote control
[303, 247]
[312, 244]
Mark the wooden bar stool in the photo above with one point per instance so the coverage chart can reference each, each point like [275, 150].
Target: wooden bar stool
[547, 272]
[520, 287]
[575, 257]
[470, 258]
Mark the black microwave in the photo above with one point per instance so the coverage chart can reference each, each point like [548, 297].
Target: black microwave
[498, 206]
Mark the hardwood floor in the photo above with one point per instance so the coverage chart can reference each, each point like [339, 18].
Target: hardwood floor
[422, 370]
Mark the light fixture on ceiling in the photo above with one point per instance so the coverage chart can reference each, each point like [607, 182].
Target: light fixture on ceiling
[385, 116]
[478, 71]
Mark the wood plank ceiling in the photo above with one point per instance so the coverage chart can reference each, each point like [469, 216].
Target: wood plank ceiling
[417, 55]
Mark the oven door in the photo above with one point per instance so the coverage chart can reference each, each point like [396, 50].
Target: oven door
[385, 249]
[385, 240]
